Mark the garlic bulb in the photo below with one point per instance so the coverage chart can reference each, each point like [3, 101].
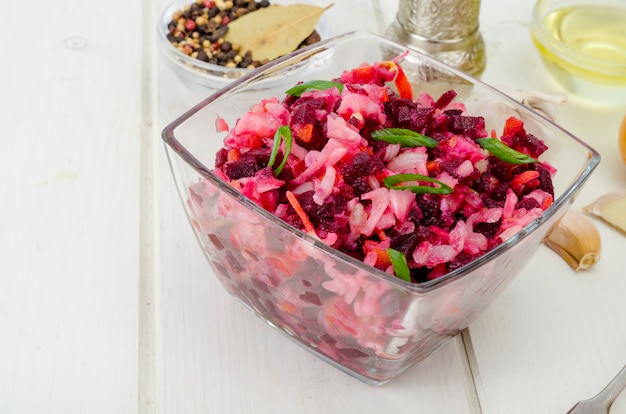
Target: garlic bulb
[576, 240]
[611, 208]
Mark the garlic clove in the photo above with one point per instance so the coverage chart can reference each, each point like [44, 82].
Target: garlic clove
[611, 208]
[545, 103]
[576, 239]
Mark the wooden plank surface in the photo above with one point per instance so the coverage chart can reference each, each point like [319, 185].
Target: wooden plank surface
[555, 336]
[69, 228]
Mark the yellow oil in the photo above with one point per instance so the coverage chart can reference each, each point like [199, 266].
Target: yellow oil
[597, 33]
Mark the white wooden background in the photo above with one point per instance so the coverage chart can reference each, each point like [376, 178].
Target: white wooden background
[107, 305]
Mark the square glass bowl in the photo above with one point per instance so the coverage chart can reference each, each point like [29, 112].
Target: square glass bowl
[203, 73]
[363, 321]
[583, 45]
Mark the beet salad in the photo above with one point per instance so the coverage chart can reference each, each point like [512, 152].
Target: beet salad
[408, 183]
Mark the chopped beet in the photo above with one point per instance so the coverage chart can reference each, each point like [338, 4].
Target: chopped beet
[527, 144]
[306, 128]
[451, 165]
[489, 230]
[360, 186]
[245, 166]
[498, 193]
[485, 183]
[431, 212]
[420, 274]
[471, 126]
[312, 298]
[545, 179]
[403, 240]
[445, 99]
[438, 127]
[221, 157]
[460, 260]
[527, 203]
[303, 112]
[262, 155]
[340, 189]
[404, 113]
[326, 215]
[361, 166]
[498, 169]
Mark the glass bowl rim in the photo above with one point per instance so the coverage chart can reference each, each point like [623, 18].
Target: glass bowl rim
[170, 140]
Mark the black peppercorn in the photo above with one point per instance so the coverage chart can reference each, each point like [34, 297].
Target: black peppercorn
[199, 28]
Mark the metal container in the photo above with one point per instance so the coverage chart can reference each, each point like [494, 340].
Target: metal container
[444, 29]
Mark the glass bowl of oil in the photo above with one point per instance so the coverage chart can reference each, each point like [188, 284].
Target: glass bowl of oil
[583, 45]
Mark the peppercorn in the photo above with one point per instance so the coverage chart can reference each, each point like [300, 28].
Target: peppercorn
[202, 56]
[198, 30]
[225, 46]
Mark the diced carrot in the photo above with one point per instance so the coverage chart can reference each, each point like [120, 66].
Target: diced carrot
[302, 132]
[385, 96]
[304, 218]
[547, 202]
[403, 85]
[382, 257]
[384, 261]
[513, 126]
[364, 74]
[432, 165]
[279, 264]
[287, 307]
[232, 155]
[524, 179]
[381, 235]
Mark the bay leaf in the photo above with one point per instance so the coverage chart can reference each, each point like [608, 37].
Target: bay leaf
[274, 31]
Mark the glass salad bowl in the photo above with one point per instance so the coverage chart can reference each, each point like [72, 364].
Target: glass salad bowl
[364, 321]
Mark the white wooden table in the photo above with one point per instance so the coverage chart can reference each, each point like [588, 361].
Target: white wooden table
[106, 305]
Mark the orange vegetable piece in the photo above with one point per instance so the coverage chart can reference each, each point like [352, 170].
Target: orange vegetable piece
[525, 179]
[364, 74]
[622, 139]
[304, 218]
[512, 126]
[403, 85]
[302, 132]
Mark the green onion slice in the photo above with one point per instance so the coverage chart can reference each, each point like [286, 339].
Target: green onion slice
[502, 151]
[395, 182]
[404, 137]
[283, 134]
[400, 266]
[313, 85]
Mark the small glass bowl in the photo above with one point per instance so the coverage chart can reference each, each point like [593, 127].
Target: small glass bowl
[204, 73]
[363, 321]
[583, 45]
